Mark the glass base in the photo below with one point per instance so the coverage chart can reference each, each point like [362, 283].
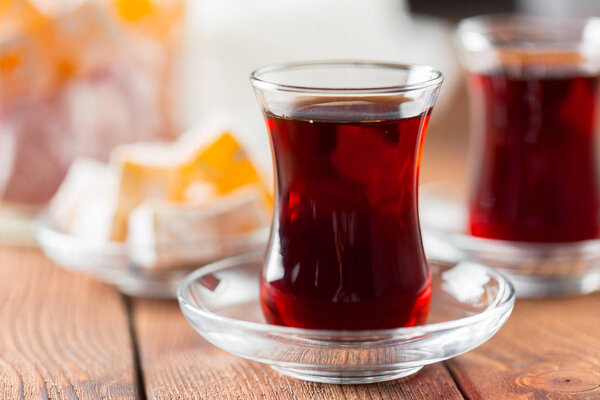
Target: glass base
[346, 377]
[536, 287]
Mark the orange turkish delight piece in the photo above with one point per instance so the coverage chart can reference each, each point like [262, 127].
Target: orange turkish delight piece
[172, 173]
[146, 171]
[159, 19]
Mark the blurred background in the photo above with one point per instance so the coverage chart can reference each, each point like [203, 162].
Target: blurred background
[78, 77]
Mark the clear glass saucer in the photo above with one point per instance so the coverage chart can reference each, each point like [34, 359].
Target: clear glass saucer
[221, 301]
[123, 264]
[535, 269]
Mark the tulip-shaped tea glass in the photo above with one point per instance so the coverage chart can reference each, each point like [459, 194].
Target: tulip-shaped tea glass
[534, 84]
[345, 250]
[533, 208]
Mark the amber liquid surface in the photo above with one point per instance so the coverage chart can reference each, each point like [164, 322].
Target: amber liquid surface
[346, 249]
[535, 160]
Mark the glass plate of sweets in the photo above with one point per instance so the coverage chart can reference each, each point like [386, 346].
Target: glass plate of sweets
[157, 211]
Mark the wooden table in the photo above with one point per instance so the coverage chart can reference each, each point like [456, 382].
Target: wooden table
[65, 336]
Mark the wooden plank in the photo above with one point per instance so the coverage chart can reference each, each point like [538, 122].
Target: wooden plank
[62, 336]
[549, 349]
[177, 363]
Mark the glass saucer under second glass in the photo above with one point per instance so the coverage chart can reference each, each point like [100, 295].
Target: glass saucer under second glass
[535, 269]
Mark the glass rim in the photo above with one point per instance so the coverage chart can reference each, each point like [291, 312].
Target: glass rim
[436, 77]
[489, 24]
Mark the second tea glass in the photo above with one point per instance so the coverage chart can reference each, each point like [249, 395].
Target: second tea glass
[345, 249]
[534, 85]
[533, 205]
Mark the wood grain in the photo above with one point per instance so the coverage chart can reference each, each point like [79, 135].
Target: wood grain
[62, 336]
[548, 349]
[177, 363]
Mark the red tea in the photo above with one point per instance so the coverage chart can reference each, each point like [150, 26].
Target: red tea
[535, 165]
[346, 248]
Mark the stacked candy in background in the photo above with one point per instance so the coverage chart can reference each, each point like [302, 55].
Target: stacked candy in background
[77, 78]
[202, 192]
